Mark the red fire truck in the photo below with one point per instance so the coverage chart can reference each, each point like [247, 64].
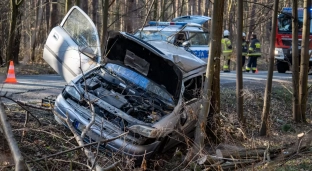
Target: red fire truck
[283, 41]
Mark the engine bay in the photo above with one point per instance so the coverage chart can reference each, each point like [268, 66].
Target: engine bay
[128, 97]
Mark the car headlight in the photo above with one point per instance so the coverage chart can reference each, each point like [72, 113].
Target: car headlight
[146, 131]
[73, 92]
[278, 52]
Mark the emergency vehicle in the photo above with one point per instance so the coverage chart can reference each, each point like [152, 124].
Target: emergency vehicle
[283, 41]
[185, 32]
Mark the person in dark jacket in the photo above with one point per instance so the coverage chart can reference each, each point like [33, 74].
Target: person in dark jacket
[254, 52]
[244, 50]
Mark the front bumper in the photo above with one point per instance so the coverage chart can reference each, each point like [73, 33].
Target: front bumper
[121, 145]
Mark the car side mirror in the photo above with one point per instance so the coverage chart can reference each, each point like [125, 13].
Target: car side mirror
[186, 44]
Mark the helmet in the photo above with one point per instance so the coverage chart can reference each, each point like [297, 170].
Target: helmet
[244, 35]
[254, 36]
[226, 33]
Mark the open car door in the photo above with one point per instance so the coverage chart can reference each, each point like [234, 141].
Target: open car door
[73, 46]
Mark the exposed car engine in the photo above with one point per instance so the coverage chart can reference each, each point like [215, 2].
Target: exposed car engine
[125, 96]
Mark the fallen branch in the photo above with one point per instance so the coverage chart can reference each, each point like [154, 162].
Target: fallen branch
[21, 105]
[79, 147]
[18, 158]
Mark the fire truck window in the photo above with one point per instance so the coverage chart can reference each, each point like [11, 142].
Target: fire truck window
[285, 24]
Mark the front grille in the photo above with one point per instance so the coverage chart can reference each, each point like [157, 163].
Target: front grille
[287, 42]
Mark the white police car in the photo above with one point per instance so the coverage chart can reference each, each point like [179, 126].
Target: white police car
[187, 33]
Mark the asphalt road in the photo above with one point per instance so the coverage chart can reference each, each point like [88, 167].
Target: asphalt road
[32, 87]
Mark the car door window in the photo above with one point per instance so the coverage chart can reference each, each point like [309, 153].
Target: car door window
[82, 31]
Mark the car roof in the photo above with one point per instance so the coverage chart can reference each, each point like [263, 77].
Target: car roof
[173, 28]
[199, 19]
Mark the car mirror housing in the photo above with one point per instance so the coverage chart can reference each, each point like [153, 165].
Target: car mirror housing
[186, 44]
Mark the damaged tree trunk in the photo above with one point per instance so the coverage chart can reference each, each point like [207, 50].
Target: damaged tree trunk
[214, 54]
[18, 158]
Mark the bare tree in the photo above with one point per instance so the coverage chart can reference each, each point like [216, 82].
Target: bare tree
[37, 28]
[129, 21]
[14, 5]
[53, 15]
[105, 4]
[295, 64]
[214, 53]
[268, 88]
[239, 75]
[304, 65]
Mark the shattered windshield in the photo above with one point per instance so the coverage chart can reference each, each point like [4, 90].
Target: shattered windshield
[140, 81]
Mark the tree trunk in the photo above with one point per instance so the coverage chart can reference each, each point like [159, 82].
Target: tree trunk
[95, 5]
[105, 4]
[17, 39]
[304, 66]
[129, 20]
[295, 64]
[214, 53]
[268, 89]
[252, 20]
[13, 19]
[37, 29]
[53, 15]
[84, 6]
[68, 5]
[239, 76]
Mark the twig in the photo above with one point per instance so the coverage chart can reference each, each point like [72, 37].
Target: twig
[60, 160]
[18, 158]
[79, 147]
[21, 105]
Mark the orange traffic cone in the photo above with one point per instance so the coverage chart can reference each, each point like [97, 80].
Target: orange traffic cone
[11, 74]
[257, 71]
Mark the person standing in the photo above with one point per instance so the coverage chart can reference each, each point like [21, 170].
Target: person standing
[244, 50]
[226, 50]
[254, 52]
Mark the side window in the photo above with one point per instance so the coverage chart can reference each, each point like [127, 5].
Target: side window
[180, 38]
[192, 88]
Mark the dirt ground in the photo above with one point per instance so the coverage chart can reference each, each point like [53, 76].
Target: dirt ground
[38, 141]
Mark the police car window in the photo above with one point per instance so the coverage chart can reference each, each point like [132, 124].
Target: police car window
[199, 38]
[153, 35]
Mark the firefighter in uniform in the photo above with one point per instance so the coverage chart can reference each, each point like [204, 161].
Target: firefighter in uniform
[244, 50]
[254, 52]
[226, 50]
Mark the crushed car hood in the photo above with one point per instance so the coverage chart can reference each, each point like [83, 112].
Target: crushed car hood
[125, 49]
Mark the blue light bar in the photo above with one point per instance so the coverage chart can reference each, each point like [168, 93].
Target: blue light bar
[162, 23]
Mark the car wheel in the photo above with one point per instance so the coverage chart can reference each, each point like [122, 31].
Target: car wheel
[282, 67]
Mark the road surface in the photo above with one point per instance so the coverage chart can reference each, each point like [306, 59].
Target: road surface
[35, 87]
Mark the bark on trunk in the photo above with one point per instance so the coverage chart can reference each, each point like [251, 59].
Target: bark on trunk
[295, 64]
[211, 75]
[239, 76]
[304, 66]
[268, 89]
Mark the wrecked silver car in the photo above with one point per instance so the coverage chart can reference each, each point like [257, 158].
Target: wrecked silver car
[150, 91]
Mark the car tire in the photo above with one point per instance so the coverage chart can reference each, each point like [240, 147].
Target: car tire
[282, 67]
